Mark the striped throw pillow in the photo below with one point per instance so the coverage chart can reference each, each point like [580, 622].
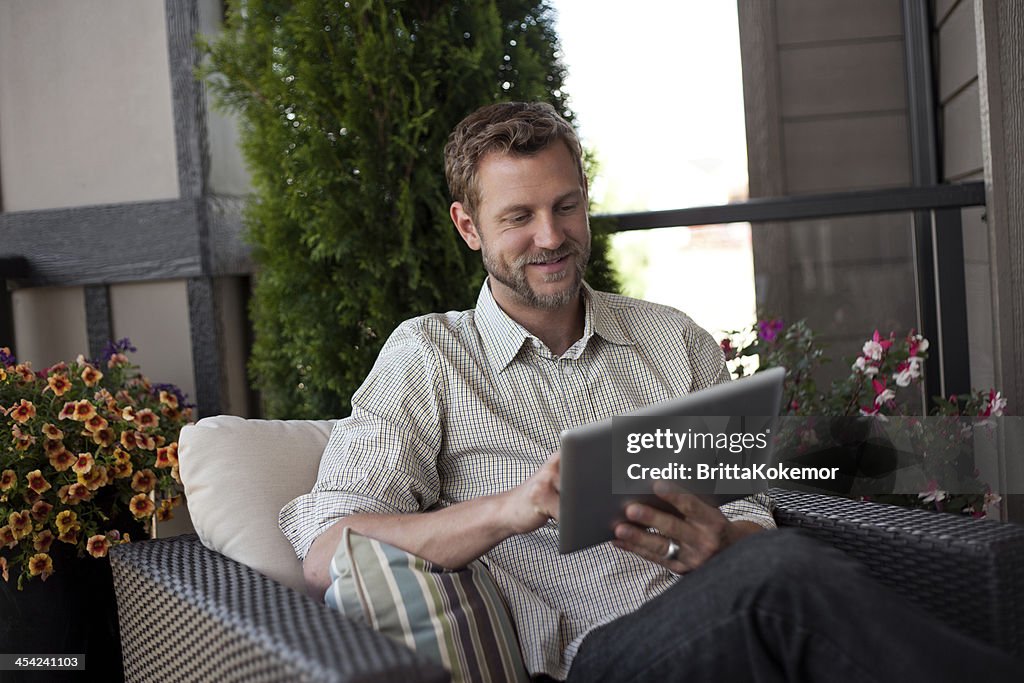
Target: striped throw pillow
[456, 618]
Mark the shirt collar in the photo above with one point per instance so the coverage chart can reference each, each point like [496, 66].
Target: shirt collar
[503, 337]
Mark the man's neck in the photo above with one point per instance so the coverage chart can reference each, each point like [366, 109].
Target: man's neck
[559, 328]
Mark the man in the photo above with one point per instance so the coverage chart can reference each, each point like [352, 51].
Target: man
[460, 417]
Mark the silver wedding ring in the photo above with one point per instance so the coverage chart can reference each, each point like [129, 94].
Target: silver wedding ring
[673, 550]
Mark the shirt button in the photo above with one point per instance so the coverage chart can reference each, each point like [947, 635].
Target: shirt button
[567, 369]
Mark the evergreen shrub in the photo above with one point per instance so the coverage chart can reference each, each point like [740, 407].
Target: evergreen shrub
[344, 109]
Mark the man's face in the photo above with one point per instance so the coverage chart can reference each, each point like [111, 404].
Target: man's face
[531, 225]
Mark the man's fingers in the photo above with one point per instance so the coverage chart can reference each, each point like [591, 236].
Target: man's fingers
[647, 546]
[688, 504]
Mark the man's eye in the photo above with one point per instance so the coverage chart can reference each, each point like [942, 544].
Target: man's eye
[519, 218]
[568, 208]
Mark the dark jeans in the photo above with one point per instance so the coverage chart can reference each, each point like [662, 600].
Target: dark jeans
[779, 606]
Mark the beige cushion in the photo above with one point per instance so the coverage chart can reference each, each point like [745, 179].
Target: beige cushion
[238, 474]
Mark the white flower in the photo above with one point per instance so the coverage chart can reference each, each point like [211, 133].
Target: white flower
[933, 495]
[997, 404]
[872, 350]
[904, 378]
[885, 396]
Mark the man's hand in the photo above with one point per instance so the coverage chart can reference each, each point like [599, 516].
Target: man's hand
[530, 505]
[700, 530]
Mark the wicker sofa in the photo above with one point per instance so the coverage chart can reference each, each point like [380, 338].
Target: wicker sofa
[189, 611]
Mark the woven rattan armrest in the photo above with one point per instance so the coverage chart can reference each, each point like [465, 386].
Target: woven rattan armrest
[188, 613]
[967, 572]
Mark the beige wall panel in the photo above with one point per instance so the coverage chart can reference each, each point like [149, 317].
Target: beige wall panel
[809, 21]
[839, 79]
[85, 104]
[49, 325]
[154, 315]
[975, 233]
[880, 238]
[961, 154]
[846, 153]
[231, 300]
[943, 7]
[978, 281]
[958, 57]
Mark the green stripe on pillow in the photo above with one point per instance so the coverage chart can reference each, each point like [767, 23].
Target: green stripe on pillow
[456, 618]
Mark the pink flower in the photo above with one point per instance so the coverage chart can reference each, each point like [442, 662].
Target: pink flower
[995, 406]
[916, 344]
[768, 330]
[882, 394]
[876, 347]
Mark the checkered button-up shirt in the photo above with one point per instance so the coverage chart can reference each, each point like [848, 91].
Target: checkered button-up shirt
[468, 404]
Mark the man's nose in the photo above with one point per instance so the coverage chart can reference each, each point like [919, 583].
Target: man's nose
[549, 234]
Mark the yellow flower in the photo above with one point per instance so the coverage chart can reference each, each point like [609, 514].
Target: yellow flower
[68, 411]
[3, 560]
[128, 439]
[94, 478]
[145, 441]
[7, 537]
[40, 565]
[83, 464]
[43, 541]
[20, 523]
[128, 414]
[52, 433]
[98, 545]
[168, 399]
[141, 506]
[23, 412]
[58, 384]
[37, 482]
[91, 376]
[164, 512]
[71, 535]
[163, 457]
[24, 372]
[121, 456]
[103, 437]
[120, 470]
[8, 479]
[66, 519]
[144, 481]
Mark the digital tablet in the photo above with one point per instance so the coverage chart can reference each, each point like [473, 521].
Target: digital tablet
[589, 509]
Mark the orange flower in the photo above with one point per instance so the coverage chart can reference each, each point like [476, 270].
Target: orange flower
[8, 479]
[91, 376]
[128, 439]
[163, 457]
[164, 512]
[84, 410]
[58, 384]
[3, 562]
[121, 456]
[20, 523]
[145, 441]
[141, 506]
[7, 537]
[171, 413]
[23, 412]
[40, 565]
[24, 372]
[95, 423]
[94, 478]
[144, 481]
[61, 459]
[146, 419]
[22, 441]
[83, 464]
[65, 520]
[103, 437]
[98, 545]
[176, 474]
[52, 433]
[43, 541]
[117, 359]
[68, 411]
[37, 482]
[41, 510]
[128, 414]
[73, 494]
[30, 496]
[168, 399]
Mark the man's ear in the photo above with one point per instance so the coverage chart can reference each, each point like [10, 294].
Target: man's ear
[465, 225]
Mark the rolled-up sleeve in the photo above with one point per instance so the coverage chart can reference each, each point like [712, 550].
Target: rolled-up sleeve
[383, 458]
[758, 509]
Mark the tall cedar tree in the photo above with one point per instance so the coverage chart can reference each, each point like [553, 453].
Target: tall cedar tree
[344, 110]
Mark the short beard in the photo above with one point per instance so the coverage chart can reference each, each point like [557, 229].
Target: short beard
[514, 276]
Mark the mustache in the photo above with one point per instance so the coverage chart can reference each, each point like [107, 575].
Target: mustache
[547, 255]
